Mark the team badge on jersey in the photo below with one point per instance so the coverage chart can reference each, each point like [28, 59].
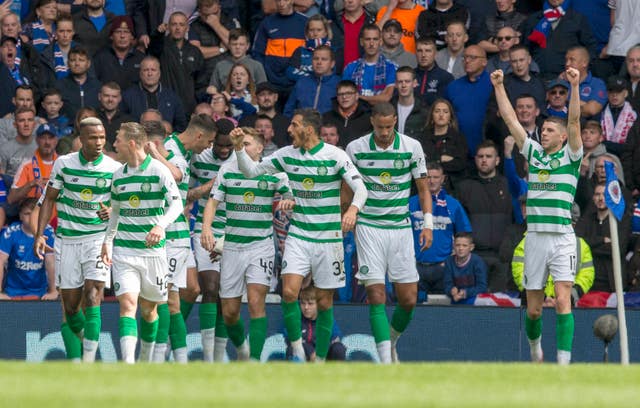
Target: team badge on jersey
[101, 182]
[322, 171]
[398, 164]
[364, 269]
[554, 163]
[263, 185]
[145, 187]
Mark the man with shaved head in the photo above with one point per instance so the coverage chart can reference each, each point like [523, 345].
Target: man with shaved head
[593, 91]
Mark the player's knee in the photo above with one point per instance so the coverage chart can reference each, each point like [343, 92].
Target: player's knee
[289, 294]
[230, 315]
[256, 307]
[534, 312]
[92, 296]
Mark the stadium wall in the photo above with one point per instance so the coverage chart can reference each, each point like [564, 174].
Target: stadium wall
[30, 331]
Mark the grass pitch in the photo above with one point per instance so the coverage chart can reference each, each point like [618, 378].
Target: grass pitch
[341, 385]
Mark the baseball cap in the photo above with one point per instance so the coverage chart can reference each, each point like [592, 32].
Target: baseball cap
[616, 84]
[392, 23]
[265, 86]
[558, 82]
[46, 128]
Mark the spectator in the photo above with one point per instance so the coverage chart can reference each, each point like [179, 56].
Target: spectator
[109, 112]
[347, 27]
[594, 227]
[25, 71]
[15, 151]
[317, 33]
[521, 80]
[406, 12]
[434, 21]
[557, 97]
[238, 47]
[479, 10]
[32, 176]
[465, 273]
[267, 97]
[624, 35]
[26, 275]
[549, 34]
[221, 108]
[78, 89]
[329, 134]
[22, 98]
[599, 15]
[264, 126]
[618, 115]
[449, 219]
[278, 36]
[52, 106]
[592, 138]
[315, 91]
[444, 144]
[119, 61]
[210, 34]
[309, 309]
[351, 116]
[506, 38]
[392, 48]
[156, 13]
[470, 95]
[39, 30]
[586, 186]
[633, 71]
[411, 112]
[432, 80]
[450, 57]
[486, 200]
[240, 92]
[505, 16]
[93, 26]
[71, 143]
[182, 63]
[373, 74]
[55, 56]
[150, 94]
[593, 94]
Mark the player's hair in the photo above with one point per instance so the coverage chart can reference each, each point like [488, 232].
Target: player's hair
[407, 69]
[236, 33]
[111, 85]
[426, 40]
[202, 122]
[29, 203]
[308, 293]
[52, 92]
[154, 129]
[369, 27]
[464, 234]
[23, 109]
[225, 126]
[383, 109]
[134, 131]
[593, 124]
[310, 117]
[453, 121]
[562, 122]
[257, 136]
[86, 123]
[323, 20]
[325, 47]
[434, 165]
[77, 50]
[487, 144]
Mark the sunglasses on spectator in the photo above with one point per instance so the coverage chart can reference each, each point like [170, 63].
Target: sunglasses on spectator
[505, 38]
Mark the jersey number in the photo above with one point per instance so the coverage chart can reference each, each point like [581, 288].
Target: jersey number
[267, 266]
[173, 262]
[338, 268]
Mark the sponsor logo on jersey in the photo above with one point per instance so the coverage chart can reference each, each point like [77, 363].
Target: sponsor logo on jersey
[249, 197]
[86, 194]
[385, 177]
[308, 183]
[134, 201]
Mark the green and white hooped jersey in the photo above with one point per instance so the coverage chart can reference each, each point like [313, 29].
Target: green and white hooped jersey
[552, 187]
[204, 167]
[83, 186]
[178, 232]
[315, 177]
[387, 175]
[143, 194]
[249, 204]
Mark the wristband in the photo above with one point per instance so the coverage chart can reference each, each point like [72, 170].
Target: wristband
[428, 221]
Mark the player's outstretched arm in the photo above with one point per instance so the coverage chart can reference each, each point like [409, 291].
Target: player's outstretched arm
[359, 198]
[506, 110]
[246, 165]
[573, 117]
[46, 209]
[426, 235]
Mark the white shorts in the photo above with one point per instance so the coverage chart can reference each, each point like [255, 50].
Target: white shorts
[548, 252]
[325, 261]
[251, 265]
[178, 260]
[144, 275]
[77, 261]
[203, 257]
[384, 251]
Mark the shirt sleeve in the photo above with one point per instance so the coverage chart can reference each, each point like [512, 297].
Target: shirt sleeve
[22, 175]
[55, 178]
[219, 188]
[418, 162]
[5, 241]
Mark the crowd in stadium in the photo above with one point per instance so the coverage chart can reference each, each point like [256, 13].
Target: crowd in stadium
[254, 63]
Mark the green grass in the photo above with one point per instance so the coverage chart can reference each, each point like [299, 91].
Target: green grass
[285, 385]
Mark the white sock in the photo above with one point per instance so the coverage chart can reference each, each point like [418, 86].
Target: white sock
[319, 360]
[89, 348]
[208, 343]
[146, 351]
[564, 357]
[535, 347]
[384, 351]
[220, 350]
[128, 349]
[394, 337]
[180, 355]
[298, 351]
[159, 352]
[243, 351]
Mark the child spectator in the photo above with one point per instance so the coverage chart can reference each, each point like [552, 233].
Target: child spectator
[618, 115]
[465, 273]
[26, 274]
[317, 33]
[52, 105]
[240, 91]
[309, 308]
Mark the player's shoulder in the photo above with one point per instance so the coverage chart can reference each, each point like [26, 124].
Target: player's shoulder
[110, 164]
